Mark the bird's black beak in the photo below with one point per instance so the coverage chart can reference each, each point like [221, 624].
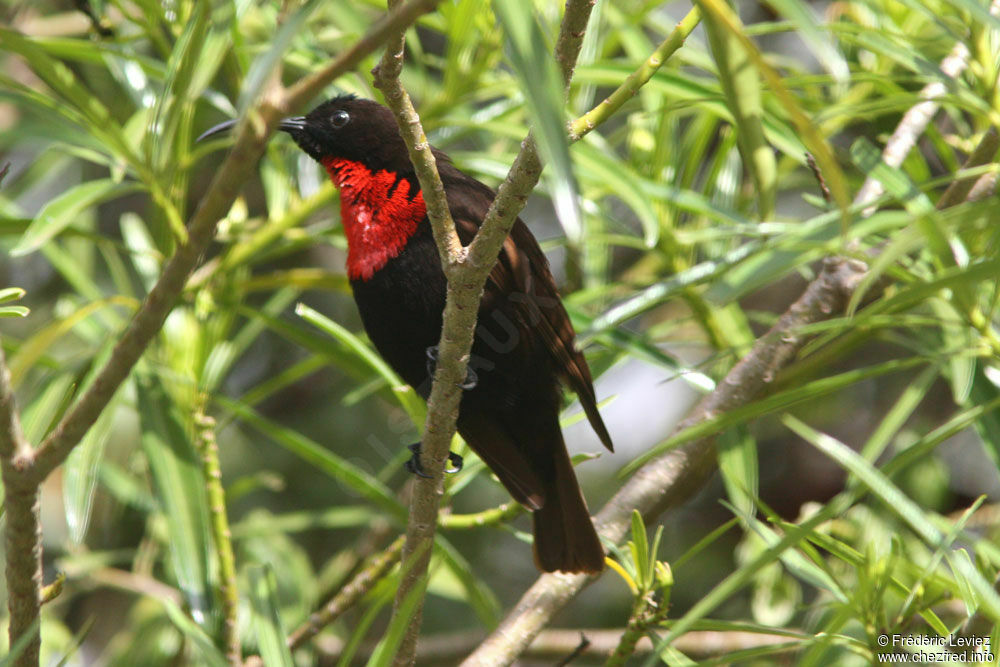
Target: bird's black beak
[224, 126]
[293, 125]
[290, 125]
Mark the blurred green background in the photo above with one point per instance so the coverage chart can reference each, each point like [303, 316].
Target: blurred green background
[684, 253]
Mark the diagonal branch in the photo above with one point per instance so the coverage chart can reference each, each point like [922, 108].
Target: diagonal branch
[672, 478]
[215, 204]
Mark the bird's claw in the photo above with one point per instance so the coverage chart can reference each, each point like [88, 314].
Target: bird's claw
[471, 379]
[414, 465]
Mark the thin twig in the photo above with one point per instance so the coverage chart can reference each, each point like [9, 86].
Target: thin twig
[345, 598]
[673, 477]
[637, 79]
[984, 153]
[490, 517]
[221, 536]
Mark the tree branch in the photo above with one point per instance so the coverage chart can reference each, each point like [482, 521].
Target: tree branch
[23, 534]
[466, 270]
[673, 477]
[345, 598]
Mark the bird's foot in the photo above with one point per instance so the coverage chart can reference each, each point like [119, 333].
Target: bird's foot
[471, 379]
[414, 466]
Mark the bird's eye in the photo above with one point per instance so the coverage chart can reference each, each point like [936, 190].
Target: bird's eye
[340, 119]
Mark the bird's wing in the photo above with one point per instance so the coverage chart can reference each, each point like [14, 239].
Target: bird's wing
[522, 269]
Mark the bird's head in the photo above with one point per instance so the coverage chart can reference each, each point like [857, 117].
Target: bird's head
[345, 128]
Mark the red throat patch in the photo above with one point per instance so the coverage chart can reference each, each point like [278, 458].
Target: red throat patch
[378, 213]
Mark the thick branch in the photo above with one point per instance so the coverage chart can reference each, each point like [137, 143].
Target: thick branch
[23, 535]
[672, 478]
[466, 280]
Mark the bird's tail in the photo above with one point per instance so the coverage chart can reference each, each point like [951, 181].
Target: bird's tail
[565, 539]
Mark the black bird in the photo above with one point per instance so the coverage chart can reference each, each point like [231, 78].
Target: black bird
[524, 344]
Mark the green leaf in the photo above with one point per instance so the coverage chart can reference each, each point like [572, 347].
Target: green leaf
[543, 96]
[180, 491]
[11, 294]
[80, 476]
[902, 505]
[63, 210]
[640, 551]
[412, 403]
[207, 653]
[14, 311]
[737, 452]
[265, 63]
[41, 342]
[325, 460]
[271, 637]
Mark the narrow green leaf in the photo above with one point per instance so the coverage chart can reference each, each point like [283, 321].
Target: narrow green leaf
[264, 64]
[40, 343]
[272, 640]
[898, 502]
[385, 651]
[640, 551]
[63, 210]
[14, 311]
[742, 87]
[737, 452]
[80, 477]
[11, 294]
[543, 96]
[801, 566]
[412, 403]
[478, 595]
[987, 425]
[206, 651]
[817, 39]
[180, 491]
[325, 460]
[869, 160]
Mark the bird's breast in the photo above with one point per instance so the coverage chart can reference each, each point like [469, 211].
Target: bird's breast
[380, 211]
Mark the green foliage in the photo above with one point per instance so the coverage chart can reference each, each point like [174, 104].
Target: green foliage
[688, 220]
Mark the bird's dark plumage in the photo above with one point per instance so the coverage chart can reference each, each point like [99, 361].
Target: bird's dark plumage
[524, 342]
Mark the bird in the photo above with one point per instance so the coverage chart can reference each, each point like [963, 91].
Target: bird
[524, 345]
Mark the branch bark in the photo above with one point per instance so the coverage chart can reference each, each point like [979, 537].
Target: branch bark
[466, 270]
